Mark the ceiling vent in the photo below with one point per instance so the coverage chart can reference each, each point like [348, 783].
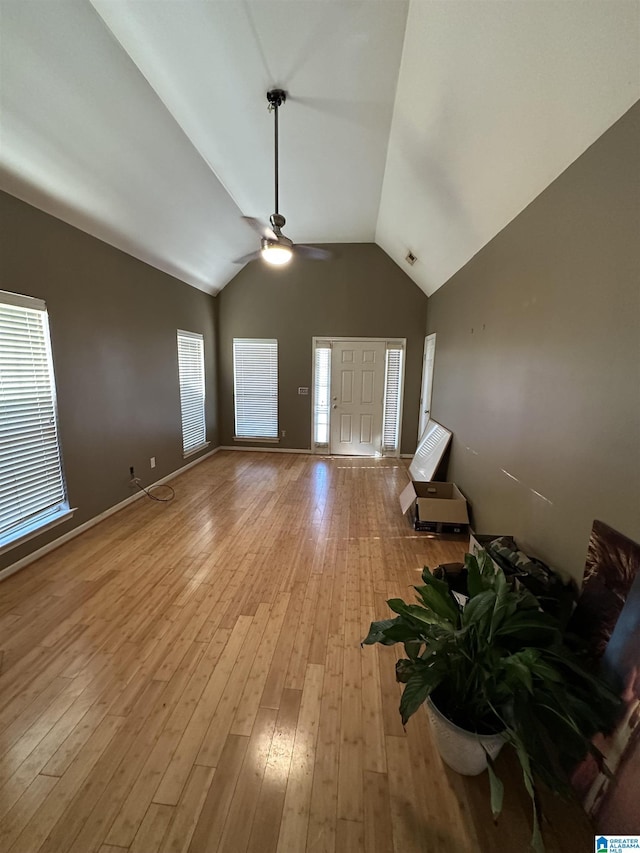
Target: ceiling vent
[411, 259]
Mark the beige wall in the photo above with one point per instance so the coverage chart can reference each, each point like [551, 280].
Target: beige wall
[359, 292]
[113, 325]
[537, 362]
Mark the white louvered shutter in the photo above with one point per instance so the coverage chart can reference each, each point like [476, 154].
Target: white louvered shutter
[255, 382]
[392, 398]
[32, 489]
[191, 377]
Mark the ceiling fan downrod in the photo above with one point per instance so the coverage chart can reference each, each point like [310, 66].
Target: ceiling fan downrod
[276, 98]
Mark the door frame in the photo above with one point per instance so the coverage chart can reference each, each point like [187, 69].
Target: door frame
[324, 450]
[431, 337]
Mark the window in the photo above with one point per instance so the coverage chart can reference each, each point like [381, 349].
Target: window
[322, 391]
[392, 398]
[191, 378]
[32, 489]
[255, 384]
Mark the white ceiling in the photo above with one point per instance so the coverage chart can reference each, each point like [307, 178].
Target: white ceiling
[494, 101]
[145, 123]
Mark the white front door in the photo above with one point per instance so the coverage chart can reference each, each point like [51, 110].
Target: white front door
[357, 391]
[428, 361]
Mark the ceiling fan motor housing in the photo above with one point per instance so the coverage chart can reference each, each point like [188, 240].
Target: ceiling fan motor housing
[276, 98]
[277, 221]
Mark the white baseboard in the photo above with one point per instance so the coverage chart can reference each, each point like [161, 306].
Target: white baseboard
[306, 451]
[56, 543]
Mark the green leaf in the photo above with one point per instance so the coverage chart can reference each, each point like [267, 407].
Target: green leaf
[488, 568]
[475, 584]
[527, 600]
[501, 606]
[545, 672]
[402, 631]
[536, 837]
[496, 788]
[440, 602]
[397, 605]
[479, 607]
[531, 627]
[416, 690]
[436, 583]
[412, 649]
[516, 668]
[377, 632]
[404, 670]
[596, 684]
[425, 616]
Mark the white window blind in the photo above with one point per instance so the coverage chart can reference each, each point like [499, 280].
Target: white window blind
[32, 488]
[321, 393]
[255, 383]
[392, 398]
[191, 377]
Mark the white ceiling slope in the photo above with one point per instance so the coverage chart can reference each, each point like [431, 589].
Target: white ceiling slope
[494, 101]
[145, 123]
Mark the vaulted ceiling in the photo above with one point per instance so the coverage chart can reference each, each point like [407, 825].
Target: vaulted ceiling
[424, 125]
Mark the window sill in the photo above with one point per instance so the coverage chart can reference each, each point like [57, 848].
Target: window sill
[35, 528]
[259, 438]
[195, 449]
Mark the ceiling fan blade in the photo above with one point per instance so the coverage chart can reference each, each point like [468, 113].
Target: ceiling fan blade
[246, 258]
[260, 227]
[312, 252]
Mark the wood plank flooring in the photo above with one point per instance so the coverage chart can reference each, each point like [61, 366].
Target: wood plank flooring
[189, 677]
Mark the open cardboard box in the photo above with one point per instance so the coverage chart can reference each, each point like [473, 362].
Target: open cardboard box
[439, 507]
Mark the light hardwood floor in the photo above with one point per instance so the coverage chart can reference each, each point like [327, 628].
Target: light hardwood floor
[188, 677]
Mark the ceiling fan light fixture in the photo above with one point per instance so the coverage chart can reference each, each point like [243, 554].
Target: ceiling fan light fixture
[275, 247]
[275, 254]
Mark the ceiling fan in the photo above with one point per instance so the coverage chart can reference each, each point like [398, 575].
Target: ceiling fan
[275, 247]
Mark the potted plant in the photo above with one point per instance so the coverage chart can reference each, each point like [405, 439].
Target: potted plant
[494, 669]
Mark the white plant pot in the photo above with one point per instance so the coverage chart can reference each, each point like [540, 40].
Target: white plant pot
[463, 751]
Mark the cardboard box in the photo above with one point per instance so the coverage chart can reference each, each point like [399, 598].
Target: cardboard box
[439, 507]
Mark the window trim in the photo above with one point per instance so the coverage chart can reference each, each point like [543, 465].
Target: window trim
[186, 452]
[39, 524]
[50, 516]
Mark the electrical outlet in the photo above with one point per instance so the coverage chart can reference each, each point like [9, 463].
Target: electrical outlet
[152, 461]
[132, 472]
[283, 433]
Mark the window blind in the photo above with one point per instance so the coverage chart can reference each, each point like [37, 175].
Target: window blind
[32, 489]
[192, 394]
[392, 398]
[255, 382]
[322, 379]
